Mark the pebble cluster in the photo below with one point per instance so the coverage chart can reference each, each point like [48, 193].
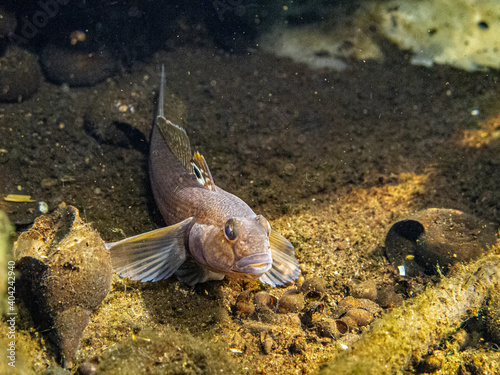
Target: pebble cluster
[310, 308]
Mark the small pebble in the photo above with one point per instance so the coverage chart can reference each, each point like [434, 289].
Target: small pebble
[313, 312]
[314, 288]
[43, 207]
[349, 322]
[349, 303]
[265, 299]
[244, 304]
[267, 343]
[49, 182]
[362, 317]
[365, 289]
[333, 328]
[292, 301]
[86, 369]
[290, 169]
[388, 298]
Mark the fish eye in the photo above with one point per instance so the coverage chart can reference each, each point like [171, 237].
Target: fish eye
[231, 229]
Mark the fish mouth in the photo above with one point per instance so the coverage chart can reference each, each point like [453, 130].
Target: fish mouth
[254, 264]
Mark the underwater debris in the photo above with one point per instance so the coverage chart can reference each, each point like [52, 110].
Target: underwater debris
[407, 332]
[291, 302]
[437, 238]
[18, 198]
[65, 274]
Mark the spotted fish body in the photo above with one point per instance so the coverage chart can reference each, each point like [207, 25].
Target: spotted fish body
[210, 233]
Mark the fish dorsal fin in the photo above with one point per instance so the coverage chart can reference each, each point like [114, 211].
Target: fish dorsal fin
[174, 136]
[177, 141]
[202, 172]
[151, 256]
[285, 268]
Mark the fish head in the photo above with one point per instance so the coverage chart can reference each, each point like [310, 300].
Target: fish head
[240, 248]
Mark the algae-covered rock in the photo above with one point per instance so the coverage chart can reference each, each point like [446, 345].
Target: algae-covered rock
[492, 312]
[65, 274]
[20, 74]
[437, 238]
[464, 34]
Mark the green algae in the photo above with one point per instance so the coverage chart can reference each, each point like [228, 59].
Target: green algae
[407, 332]
[6, 232]
[10, 338]
[169, 352]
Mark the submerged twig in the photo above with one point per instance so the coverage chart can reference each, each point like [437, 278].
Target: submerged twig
[408, 331]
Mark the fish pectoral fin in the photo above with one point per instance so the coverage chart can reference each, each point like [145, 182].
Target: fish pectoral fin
[177, 140]
[201, 166]
[151, 256]
[285, 268]
[192, 273]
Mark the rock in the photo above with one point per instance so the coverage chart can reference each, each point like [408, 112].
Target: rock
[264, 299]
[65, 273]
[431, 363]
[76, 67]
[86, 368]
[492, 312]
[312, 313]
[349, 303]
[333, 328]
[360, 316]
[366, 289]
[20, 75]
[437, 237]
[244, 304]
[388, 298]
[313, 288]
[292, 301]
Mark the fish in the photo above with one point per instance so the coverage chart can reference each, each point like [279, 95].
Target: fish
[210, 233]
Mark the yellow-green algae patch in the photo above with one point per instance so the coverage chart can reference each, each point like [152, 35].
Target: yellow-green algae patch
[464, 34]
[168, 352]
[11, 340]
[407, 332]
[6, 232]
